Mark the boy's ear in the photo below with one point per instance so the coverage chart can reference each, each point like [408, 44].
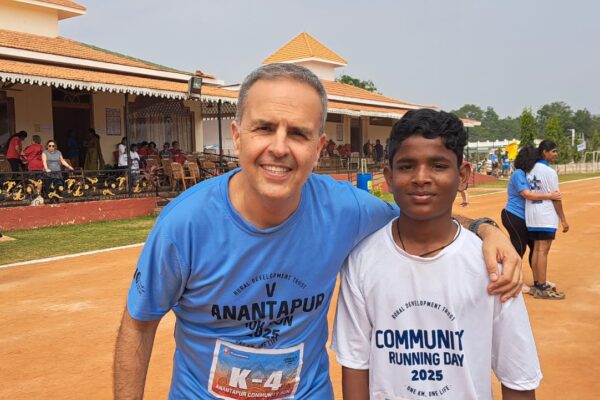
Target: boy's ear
[387, 174]
[464, 172]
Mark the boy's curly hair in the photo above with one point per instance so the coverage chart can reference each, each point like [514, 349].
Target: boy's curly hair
[430, 124]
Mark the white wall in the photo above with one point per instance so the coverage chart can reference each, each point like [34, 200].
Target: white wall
[101, 102]
[29, 19]
[196, 108]
[378, 132]
[210, 130]
[33, 110]
[323, 71]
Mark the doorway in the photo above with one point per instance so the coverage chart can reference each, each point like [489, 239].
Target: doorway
[355, 135]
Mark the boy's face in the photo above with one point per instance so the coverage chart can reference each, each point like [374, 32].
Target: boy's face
[425, 177]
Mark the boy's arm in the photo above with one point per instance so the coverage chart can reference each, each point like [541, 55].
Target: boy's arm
[355, 384]
[510, 394]
[497, 248]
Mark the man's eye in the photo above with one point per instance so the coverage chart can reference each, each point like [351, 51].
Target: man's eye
[404, 167]
[263, 128]
[440, 166]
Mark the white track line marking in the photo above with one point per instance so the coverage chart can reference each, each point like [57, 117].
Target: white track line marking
[87, 253]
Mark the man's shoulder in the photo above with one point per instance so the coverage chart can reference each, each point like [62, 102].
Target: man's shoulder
[201, 200]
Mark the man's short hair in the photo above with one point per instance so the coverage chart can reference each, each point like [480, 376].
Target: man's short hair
[276, 71]
[36, 139]
[430, 124]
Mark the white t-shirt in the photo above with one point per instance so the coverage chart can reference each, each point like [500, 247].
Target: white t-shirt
[540, 215]
[426, 327]
[135, 161]
[122, 155]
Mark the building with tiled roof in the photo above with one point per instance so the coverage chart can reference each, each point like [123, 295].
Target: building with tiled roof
[355, 115]
[50, 84]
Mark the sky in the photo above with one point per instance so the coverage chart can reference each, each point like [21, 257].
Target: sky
[507, 54]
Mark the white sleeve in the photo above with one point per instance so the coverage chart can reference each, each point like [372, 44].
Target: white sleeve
[351, 340]
[553, 182]
[514, 356]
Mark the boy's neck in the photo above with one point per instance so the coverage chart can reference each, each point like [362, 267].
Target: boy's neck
[418, 237]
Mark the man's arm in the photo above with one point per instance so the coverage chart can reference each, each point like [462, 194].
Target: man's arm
[355, 384]
[132, 355]
[561, 214]
[510, 394]
[497, 248]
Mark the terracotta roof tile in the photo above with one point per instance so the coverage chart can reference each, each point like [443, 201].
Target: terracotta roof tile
[78, 74]
[65, 3]
[303, 46]
[218, 92]
[342, 89]
[70, 48]
[364, 107]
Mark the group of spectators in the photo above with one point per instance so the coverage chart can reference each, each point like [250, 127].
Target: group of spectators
[34, 157]
[140, 153]
[375, 152]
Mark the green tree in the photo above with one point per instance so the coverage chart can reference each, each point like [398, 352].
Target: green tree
[349, 80]
[560, 110]
[470, 111]
[595, 142]
[555, 133]
[527, 128]
[583, 123]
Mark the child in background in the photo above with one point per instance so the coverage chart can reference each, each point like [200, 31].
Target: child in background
[413, 319]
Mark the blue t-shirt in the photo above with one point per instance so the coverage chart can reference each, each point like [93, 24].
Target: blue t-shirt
[517, 183]
[251, 304]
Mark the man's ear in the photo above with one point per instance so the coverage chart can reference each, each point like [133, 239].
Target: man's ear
[235, 135]
[464, 172]
[321, 142]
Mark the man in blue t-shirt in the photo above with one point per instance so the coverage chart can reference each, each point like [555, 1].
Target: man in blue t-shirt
[248, 261]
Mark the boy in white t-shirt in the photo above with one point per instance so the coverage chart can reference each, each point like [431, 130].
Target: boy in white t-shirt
[413, 320]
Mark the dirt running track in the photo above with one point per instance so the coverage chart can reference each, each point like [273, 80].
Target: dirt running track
[58, 320]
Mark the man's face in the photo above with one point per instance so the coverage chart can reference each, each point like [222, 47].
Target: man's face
[277, 140]
[424, 178]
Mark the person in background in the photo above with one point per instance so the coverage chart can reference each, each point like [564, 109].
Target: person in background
[135, 160]
[14, 148]
[53, 162]
[505, 165]
[143, 150]
[177, 153]
[94, 160]
[378, 150]
[33, 154]
[122, 149]
[72, 153]
[152, 151]
[166, 151]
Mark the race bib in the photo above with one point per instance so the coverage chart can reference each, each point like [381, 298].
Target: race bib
[239, 372]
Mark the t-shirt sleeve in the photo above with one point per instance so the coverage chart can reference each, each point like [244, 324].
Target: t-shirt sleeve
[553, 182]
[514, 355]
[351, 340]
[374, 213]
[159, 279]
[521, 182]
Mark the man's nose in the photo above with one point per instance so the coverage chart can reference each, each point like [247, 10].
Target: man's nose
[279, 145]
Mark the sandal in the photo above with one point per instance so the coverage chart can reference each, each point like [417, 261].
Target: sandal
[547, 293]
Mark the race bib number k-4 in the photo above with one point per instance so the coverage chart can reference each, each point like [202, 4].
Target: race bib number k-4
[240, 372]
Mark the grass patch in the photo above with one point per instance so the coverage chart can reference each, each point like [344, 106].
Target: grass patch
[32, 244]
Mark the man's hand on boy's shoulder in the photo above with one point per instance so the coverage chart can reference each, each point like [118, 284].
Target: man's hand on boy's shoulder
[497, 248]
